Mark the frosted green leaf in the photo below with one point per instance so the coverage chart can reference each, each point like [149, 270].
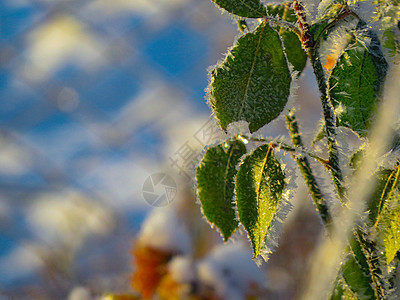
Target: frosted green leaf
[334, 9]
[243, 8]
[342, 291]
[391, 41]
[356, 270]
[384, 209]
[356, 82]
[388, 12]
[320, 134]
[259, 187]
[384, 183]
[328, 19]
[356, 279]
[388, 222]
[390, 228]
[215, 185]
[293, 48]
[253, 83]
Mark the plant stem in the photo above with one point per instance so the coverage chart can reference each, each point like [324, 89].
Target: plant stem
[306, 170]
[329, 115]
[369, 250]
[330, 126]
[282, 24]
[289, 148]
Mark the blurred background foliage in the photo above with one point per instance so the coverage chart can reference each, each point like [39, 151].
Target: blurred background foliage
[97, 95]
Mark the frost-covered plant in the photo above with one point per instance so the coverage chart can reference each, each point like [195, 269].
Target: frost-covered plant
[244, 181]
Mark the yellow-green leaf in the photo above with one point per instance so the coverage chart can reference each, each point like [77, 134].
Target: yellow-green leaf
[388, 223]
[259, 188]
[390, 228]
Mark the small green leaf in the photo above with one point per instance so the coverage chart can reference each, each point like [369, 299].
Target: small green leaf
[334, 9]
[391, 41]
[278, 11]
[356, 279]
[253, 83]
[388, 223]
[242, 25]
[328, 19]
[259, 187]
[387, 11]
[390, 228]
[356, 82]
[293, 48]
[385, 181]
[243, 8]
[358, 269]
[356, 159]
[321, 133]
[215, 185]
[342, 291]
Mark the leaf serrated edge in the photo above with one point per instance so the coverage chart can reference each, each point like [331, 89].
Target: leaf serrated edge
[244, 4]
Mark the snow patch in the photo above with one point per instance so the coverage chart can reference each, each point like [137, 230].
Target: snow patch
[231, 280]
[164, 231]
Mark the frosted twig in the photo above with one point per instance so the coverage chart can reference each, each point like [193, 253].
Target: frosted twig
[306, 171]
[329, 115]
[299, 150]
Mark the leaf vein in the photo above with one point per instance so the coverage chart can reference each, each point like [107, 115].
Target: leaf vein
[259, 188]
[251, 71]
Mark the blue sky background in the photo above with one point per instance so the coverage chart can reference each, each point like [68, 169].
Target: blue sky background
[91, 94]
[95, 97]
